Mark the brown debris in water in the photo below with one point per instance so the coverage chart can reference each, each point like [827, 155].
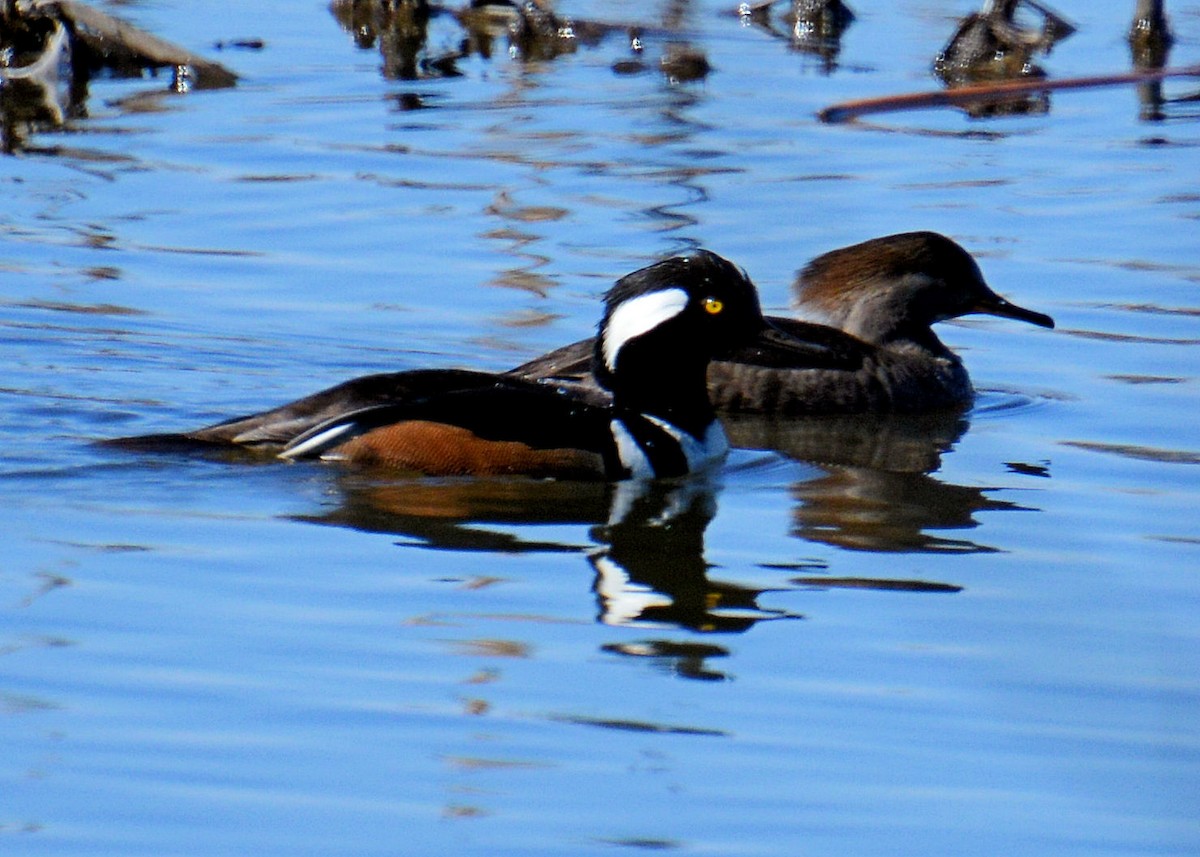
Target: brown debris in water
[100, 41]
[49, 49]
[991, 45]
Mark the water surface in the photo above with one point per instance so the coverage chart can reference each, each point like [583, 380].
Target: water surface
[965, 635]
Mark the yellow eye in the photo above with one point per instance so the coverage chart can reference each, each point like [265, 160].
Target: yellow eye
[712, 306]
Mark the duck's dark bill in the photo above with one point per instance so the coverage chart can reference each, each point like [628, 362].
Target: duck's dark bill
[789, 344]
[1006, 309]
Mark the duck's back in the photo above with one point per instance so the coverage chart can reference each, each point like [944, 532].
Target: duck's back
[889, 380]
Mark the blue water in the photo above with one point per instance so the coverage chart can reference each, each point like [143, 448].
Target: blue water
[972, 636]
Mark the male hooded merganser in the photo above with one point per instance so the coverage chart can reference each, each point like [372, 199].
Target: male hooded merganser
[661, 327]
[873, 306]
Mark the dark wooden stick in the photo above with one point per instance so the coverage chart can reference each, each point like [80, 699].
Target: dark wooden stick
[850, 110]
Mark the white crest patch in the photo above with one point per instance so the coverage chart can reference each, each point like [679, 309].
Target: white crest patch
[637, 316]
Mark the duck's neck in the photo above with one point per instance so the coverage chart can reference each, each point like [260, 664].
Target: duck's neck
[673, 390]
[888, 318]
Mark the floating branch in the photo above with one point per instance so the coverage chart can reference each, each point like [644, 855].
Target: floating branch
[982, 93]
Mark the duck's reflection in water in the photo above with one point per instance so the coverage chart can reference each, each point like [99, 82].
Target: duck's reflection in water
[468, 514]
[650, 564]
[646, 541]
[877, 493]
[645, 544]
[651, 572]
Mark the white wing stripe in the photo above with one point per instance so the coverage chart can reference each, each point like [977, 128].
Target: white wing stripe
[319, 442]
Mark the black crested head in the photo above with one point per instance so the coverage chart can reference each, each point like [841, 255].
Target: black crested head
[667, 319]
[662, 326]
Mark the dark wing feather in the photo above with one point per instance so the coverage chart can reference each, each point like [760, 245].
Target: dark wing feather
[506, 409]
[279, 426]
[792, 344]
[571, 361]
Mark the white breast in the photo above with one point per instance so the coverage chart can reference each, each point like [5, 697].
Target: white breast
[700, 453]
[630, 453]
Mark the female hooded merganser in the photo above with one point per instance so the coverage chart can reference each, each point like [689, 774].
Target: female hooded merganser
[873, 306]
[661, 327]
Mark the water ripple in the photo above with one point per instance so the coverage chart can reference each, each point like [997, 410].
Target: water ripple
[1139, 453]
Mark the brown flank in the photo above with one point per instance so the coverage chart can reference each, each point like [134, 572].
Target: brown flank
[437, 449]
